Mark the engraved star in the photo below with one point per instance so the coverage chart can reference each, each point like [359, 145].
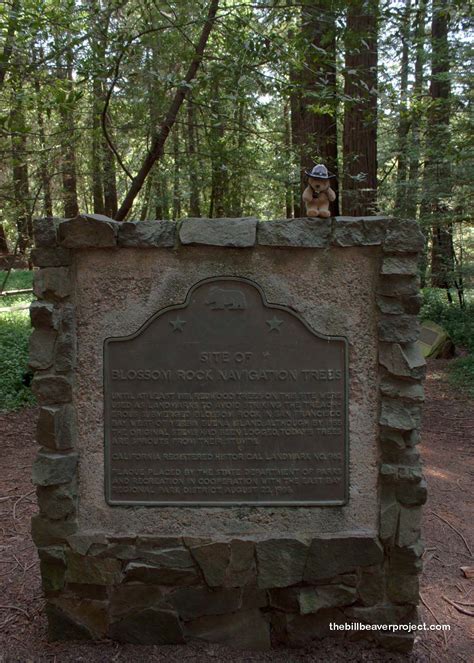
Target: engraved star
[177, 324]
[274, 324]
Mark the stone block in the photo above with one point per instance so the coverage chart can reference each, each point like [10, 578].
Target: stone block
[396, 388]
[331, 555]
[398, 415]
[380, 614]
[313, 599]
[398, 328]
[56, 502]
[151, 626]
[62, 626]
[389, 514]
[47, 532]
[412, 304]
[246, 629]
[371, 587]
[41, 348]
[280, 562]
[56, 427]
[398, 286]
[88, 570]
[52, 283]
[147, 234]
[88, 230]
[65, 352]
[43, 315]
[396, 642]
[409, 526]
[406, 561]
[52, 469]
[353, 231]
[85, 614]
[229, 564]
[52, 389]
[284, 598]
[83, 542]
[238, 233]
[404, 236]
[390, 305]
[166, 573]
[304, 232]
[133, 597]
[300, 630]
[252, 597]
[412, 494]
[402, 361]
[194, 602]
[403, 589]
[44, 231]
[52, 566]
[406, 265]
[51, 257]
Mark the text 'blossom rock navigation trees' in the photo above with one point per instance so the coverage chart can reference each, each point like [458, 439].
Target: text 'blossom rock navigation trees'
[226, 399]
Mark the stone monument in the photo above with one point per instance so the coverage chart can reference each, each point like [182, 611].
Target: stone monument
[229, 413]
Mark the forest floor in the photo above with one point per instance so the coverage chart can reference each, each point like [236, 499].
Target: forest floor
[447, 530]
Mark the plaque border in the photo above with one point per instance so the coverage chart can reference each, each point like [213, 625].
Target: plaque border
[239, 503]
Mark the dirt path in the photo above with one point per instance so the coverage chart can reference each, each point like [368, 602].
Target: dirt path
[447, 449]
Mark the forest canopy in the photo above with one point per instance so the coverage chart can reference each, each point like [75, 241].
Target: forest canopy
[149, 109]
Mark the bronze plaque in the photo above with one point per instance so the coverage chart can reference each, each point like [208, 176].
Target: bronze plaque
[226, 400]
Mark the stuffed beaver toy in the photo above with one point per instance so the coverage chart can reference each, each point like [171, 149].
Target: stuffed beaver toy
[318, 194]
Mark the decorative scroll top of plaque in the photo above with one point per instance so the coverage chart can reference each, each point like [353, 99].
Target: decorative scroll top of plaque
[226, 400]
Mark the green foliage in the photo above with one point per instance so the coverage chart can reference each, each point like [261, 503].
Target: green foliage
[458, 322]
[15, 330]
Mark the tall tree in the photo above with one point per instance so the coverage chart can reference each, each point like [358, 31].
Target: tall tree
[360, 109]
[314, 95]
[403, 118]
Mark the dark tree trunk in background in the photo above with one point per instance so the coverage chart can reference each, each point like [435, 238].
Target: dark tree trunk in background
[176, 176]
[96, 161]
[295, 115]
[314, 102]
[403, 119]
[68, 132]
[360, 109]
[43, 158]
[3, 240]
[21, 189]
[192, 165]
[416, 113]
[219, 176]
[437, 173]
[289, 188]
[9, 42]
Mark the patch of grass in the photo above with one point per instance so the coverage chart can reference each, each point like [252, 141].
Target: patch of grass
[458, 322]
[15, 330]
[461, 374]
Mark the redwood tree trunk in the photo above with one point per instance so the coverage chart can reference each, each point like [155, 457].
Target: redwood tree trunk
[360, 109]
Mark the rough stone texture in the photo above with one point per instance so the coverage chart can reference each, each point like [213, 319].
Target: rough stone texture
[52, 389]
[57, 502]
[226, 564]
[413, 495]
[305, 232]
[395, 388]
[47, 532]
[398, 415]
[42, 342]
[281, 562]
[44, 231]
[404, 361]
[399, 328]
[237, 233]
[88, 230]
[53, 566]
[92, 570]
[403, 589]
[52, 469]
[143, 234]
[246, 629]
[88, 616]
[368, 231]
[312, 600]
[148, 627]
[52, 283]
[134, 597]
[299, 630]
[194, 602]
[400, 265]
[51, 257]
[330, 556]
[43, 315]
[409, 526]
[173, 573]
[65, 350]
[56, 427]
[404, 237]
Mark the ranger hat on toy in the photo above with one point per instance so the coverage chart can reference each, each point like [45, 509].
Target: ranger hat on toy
[320, 172]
